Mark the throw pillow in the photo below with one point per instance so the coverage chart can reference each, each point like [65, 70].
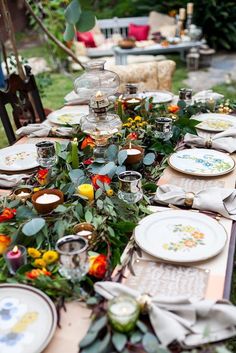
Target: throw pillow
[86, 38]
[157, 20]
[139, 32]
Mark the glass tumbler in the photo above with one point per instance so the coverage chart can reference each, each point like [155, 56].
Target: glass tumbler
[130, 186]
[46, 154]
[164, 128]
[74, 263]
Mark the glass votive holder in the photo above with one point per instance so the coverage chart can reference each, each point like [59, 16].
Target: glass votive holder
[211, 104]
[123, 313]
[46, 154]
[130, 186]
[73, 253]
[15, 257]
[164, 128]
[185, 94]
[85, 230]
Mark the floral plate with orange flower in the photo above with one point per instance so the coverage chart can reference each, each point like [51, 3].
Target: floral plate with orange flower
[158, 96]
[28, 319]
[68, 116]
[180, 236]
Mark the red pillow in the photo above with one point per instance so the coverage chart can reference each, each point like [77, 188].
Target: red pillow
[87, 39]
[139, 32]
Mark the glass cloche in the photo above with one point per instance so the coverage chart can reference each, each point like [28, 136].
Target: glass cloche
[95, 79]
[99, 124]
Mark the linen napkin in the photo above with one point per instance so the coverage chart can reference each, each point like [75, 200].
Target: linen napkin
[42, 130]
[225, 141]
[222, 201]
[179, 318]
[9, 181]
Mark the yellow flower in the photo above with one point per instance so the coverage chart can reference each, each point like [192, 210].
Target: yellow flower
[50, 257]
[109, 192]
[138, 118]
[34, 253]
[40, 263]
[36, 189]
[130, 120]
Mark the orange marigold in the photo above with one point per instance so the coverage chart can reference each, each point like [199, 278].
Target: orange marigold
[4, 243]
[7, 214]
[103, 178]
[98, 265]
[88, 141]
[173, 109]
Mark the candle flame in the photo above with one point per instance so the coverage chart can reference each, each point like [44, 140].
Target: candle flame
[130, 145]
[75, 139]
[15, 249]
[98, 94]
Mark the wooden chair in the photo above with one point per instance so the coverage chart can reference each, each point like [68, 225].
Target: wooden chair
[24, 98]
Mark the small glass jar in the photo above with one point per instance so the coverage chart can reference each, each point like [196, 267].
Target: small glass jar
[123, 313]
[46, 154]
[96, 78]
[130, 186]
[85, 230]
[15, 257]
[164, 128]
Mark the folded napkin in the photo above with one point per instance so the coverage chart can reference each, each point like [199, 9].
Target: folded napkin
[190, 322]
[222, 201]
[73, 98]
[9, 181]
[43, 130]
[225, 141]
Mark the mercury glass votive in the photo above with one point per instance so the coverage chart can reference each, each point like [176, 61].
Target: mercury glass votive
[130, 186]
[85, 230]
[46, 154]
[23, 193]
[164, 128]
[123, 313]
[73, 253]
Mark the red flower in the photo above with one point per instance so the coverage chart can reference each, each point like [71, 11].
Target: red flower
[88, 161]
[88, 141]
[98, 265]
[42, 176]
[5, 241]
[7, 214]
[35, 273]
[103, 178]
[173, 109]
[132, 136]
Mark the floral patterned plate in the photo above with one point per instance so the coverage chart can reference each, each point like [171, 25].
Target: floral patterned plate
[28, 319]
[158, 96]
[67, 116]
[201, 162]
[180, 236]
[18, 157]
[215, 122]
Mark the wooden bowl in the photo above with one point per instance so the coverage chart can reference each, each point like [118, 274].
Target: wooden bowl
[48, 207]
[134, 159]
[131, 104]
[25, 189]
[126, 43]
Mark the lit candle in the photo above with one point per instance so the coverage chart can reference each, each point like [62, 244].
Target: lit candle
[84, 233]
[74, 154]
[133, 100]
[123, 313]
[23, 194]
[182, 14]
[15, 258]
[86, 190]
[211, 104]
[190, 8]
[134, 154]
[47, 198]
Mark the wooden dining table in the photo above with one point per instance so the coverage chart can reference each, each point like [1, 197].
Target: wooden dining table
[75, 321]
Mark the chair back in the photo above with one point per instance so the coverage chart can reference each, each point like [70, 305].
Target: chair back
[24, 99]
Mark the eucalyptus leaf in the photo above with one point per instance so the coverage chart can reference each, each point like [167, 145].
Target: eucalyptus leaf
[88, 216]
[119, 341]
[33, 226]
[142, 326]
[73, 12]
[120, 169]
[86, 21]
[112, 152]
[108, 169]
[61, 209]
[94, 347]
[136, 337]
[149, 158]
[24, 212]
[68, 36]
[98, 193]
[76, 175]
[88, 339]
[150, 343]
[99, 204]
[104, 344]
[122, 155]
[98, 324]
[60, 227]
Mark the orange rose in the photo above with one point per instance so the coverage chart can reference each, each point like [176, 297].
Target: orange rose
[190, 243]
[173, 109]
[4, 243]
[42, 176]
[88, 141]
[103, 178]
[7, 214]
[35, 273]
[132, 136]
[98, 265]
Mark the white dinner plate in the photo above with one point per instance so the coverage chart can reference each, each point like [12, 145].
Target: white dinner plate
[67, 116]
[201, 162]
[215, 122]
[180, 236]
[28, 319]
[158, 96]
[18, 157]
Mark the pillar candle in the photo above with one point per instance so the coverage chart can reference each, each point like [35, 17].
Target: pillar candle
[182, 14]
[190, 8]
[86, 190]
[74, 154]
